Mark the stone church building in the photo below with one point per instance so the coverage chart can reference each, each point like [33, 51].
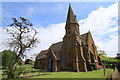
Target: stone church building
[75, 53]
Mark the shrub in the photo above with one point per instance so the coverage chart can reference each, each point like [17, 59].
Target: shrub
[29, 61]
[16, 73]
[109, 62]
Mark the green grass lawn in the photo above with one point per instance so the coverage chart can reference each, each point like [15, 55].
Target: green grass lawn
[92, 74]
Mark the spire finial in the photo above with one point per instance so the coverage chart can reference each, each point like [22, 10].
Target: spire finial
[69, 5]
[71, 18]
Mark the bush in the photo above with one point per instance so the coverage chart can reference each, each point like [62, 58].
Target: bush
[89, 67]
[29, 61]
[94, 66]
[16, 73]
[8, 58]
[20, 62]
[109, 62]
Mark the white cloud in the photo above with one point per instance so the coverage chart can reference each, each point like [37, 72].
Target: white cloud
[52, 34]
[101, 22]
[103, 25]
[30, 11]
[4, 36]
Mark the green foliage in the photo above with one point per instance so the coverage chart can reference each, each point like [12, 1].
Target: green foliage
[25, 70]
[0, 59]
[102, 53]
[16, 73]
[29, 61]
[107, 61]
[20, 62]
[8, 58]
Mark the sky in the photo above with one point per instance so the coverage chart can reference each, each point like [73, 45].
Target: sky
[39, 12]
[101, 18]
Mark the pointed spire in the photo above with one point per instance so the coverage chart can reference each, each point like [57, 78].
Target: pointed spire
[71, 18]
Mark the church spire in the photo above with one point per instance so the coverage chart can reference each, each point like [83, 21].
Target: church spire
[71, 18]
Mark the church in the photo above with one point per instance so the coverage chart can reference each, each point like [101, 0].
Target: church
[76, 53]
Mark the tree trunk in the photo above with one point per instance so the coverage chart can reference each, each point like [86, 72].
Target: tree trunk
[10, 75]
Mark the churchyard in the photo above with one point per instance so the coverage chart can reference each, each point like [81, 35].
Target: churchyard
[31, 73]
[76, 57]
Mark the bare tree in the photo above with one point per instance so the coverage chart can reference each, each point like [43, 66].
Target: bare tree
[22, 38]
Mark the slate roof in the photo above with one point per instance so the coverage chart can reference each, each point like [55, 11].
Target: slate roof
[56, 47]
[85, 36]
[42, 54]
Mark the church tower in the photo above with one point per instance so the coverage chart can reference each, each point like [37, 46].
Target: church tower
[71, 22]
[72, 53]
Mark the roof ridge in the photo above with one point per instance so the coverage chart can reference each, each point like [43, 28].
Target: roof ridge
[57, 42]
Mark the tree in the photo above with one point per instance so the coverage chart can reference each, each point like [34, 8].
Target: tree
[101, 53]
[22, 38]
[29, 61]
[109, 62]
[7, 58]
[33, 56]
